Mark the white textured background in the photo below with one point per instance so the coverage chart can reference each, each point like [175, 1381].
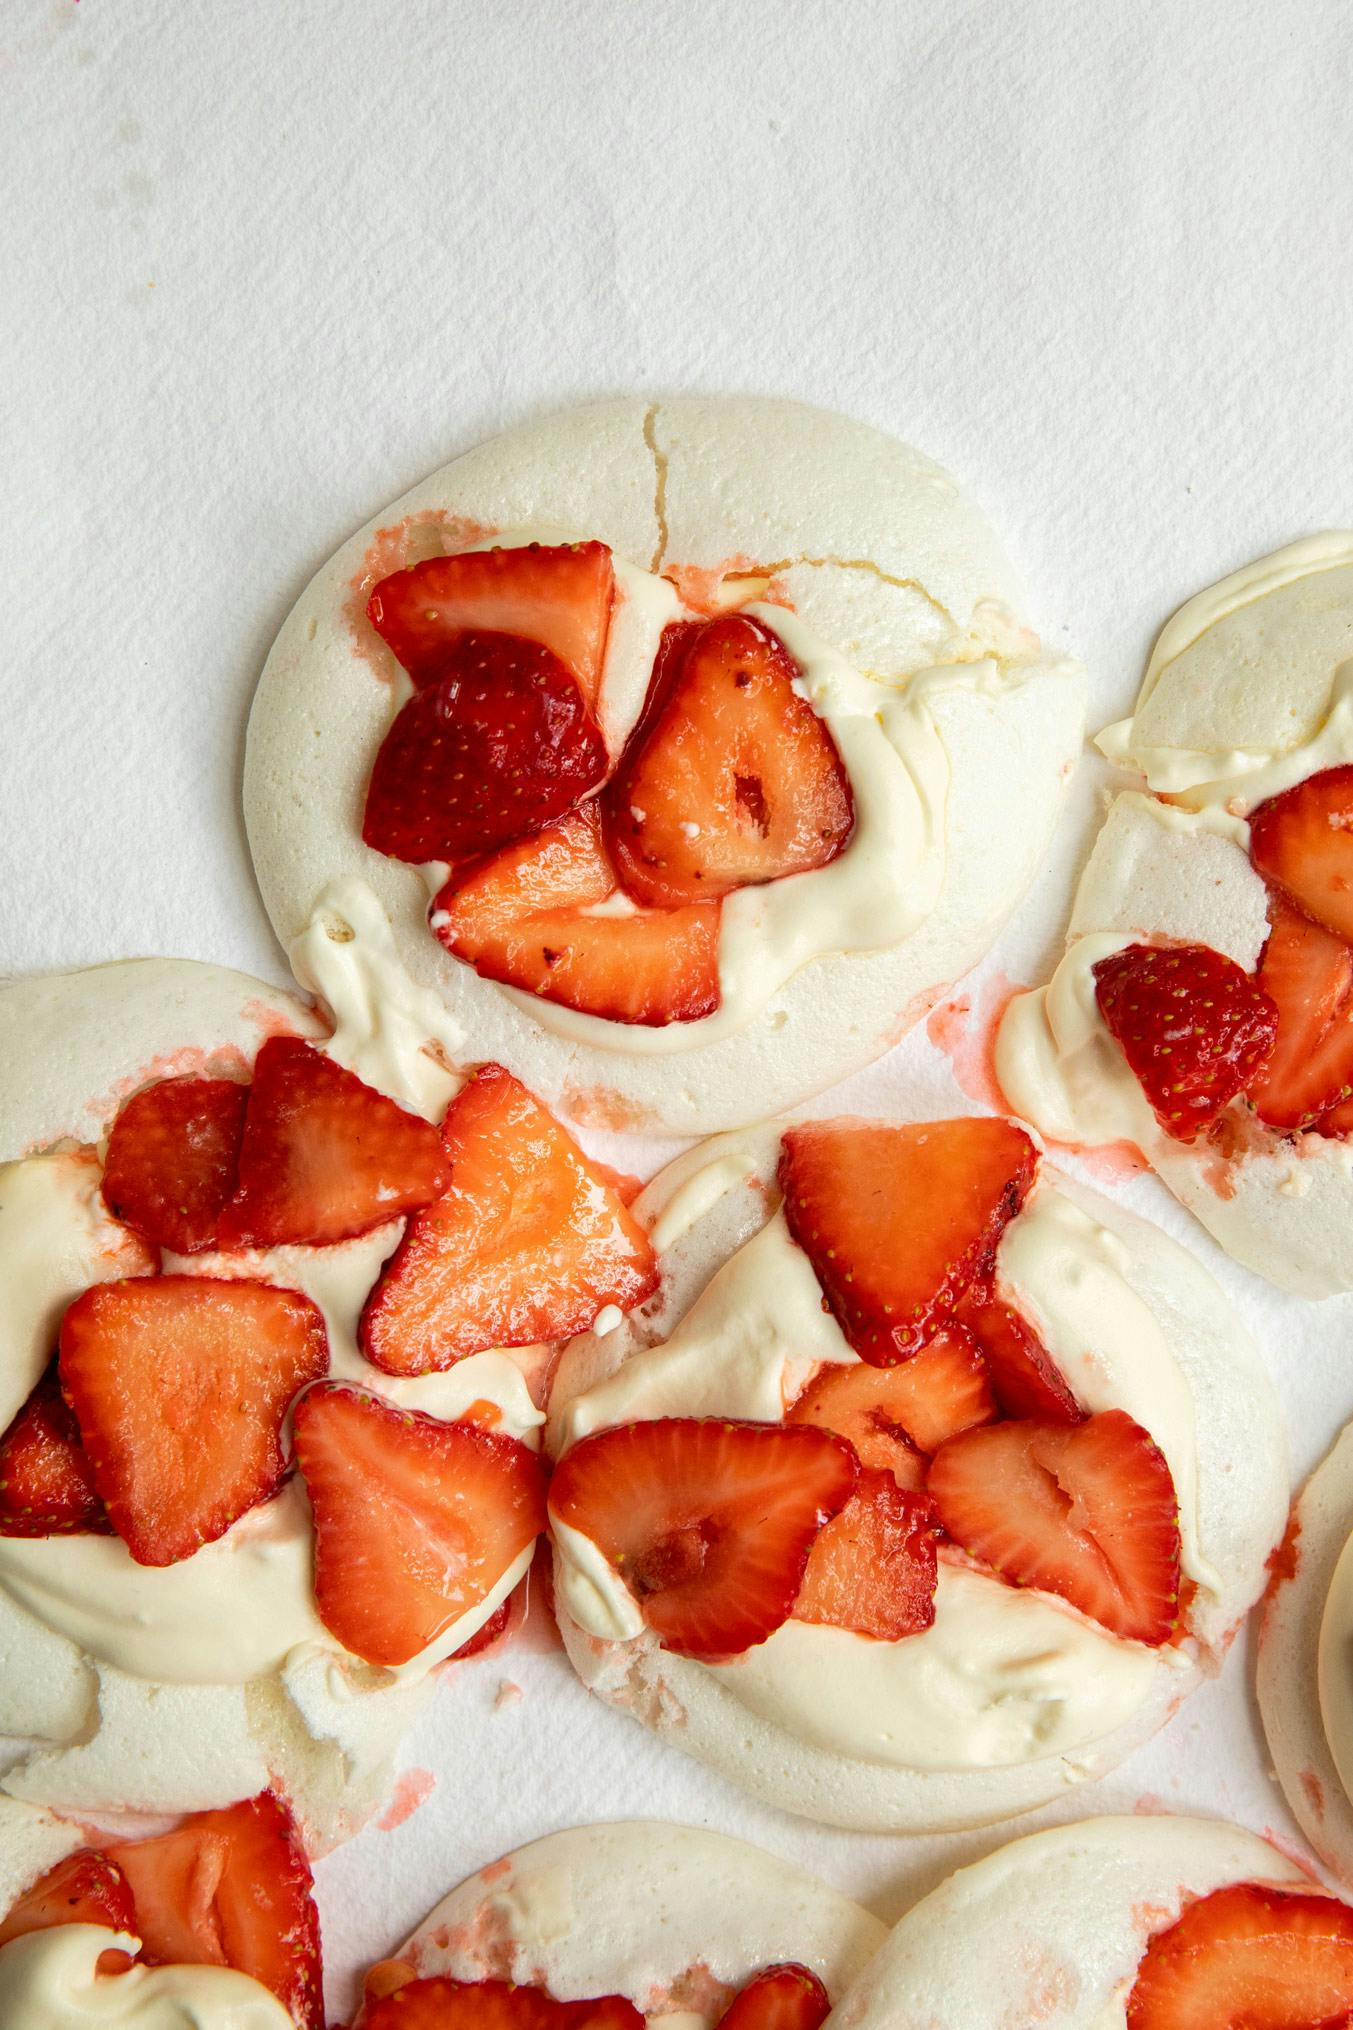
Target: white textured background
[263, 263]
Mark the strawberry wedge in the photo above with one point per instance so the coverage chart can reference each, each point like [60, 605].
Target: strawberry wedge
[1248, 1958]
[895, 1417]
[46, 1481]
[1195, 1029]
[1302, 844]
[788, 1997]
[172, 1160]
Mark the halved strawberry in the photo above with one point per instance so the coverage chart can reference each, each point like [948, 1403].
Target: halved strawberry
[559, 595]
[1084, 1510]
[528, 1243]
[788, 1997]
[498, 746]
[1194, 1028]
[232, 1888]
[897, 1221]
[180, 1385]
[324, 1156]
[731, 778]
[1024, 1375]
[46, 1483]
[548, 915]
[1302, 842]
[415, 1520]
[172, 1158]
[85, 1888]
[708, 1523]
[895, 1416]
[872, 1567]
[1249, 1958]
[1308, 973]
[438, 2001]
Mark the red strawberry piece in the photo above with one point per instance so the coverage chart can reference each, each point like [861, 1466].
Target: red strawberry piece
[1302, 843]
[437, 2002]
[498, 746]
[532, 917]
[180, 1385]
[1087, 1511]
[324, 1156]
[1194, 1028]
[85, 1888]
[731, 778]
[708, 1523]
[529, 1242]
[232, 1888]
[416, 1521]
[557, 595]
[895, 1416]
[1024, 1375]
[46, 1484]
[1308, 973]
[1249, 1958]
[897, 1221]
[872, 1567]
[172, 1159]
[787, 1997]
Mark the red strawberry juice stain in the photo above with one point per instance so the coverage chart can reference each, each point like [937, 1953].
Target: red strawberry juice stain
[432, 532]
[413, 1787]
[1284, 1558]
[964, 1030]
[700, 586]
[1314, 1791]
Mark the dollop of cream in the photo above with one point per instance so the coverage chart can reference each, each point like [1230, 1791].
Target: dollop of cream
[49, 1980]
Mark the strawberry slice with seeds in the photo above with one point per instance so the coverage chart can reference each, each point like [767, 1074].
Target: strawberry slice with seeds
[559, 595]
[1248, 1958]
[529, 1242]
[180, 1385]
[172, 1159]
[1302, 843]
[232, 1888]
[898, 1221]
[85, 1888]
[731, 778]
[324, 1156]
[872, 1568]
[895, 1416]
[1308, 973]
[46, 1482]
[1024, 1375]
[1194, 1028]
[548, 915]
[416, 1521]
[788, 1997]
[1087, 1511]
[708, 1523]
[438, 2000]
[498, 746]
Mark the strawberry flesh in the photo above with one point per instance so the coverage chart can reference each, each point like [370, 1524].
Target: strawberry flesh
[708, 1523]
[528, 1243]
[172, 1160]
[872, 1568]
[85, 1888]
[788, 1997]
[540, 916]
[1194, 1028]
[416, 1521]
[895, 1416]
[1087, 1511]
[46, 1482]
[437, 2001]
[898, 1221]
[1308, 973]
[731, 778]
[1302, 843]
[180, 1385]
[1024, 1375]
[1248, 1958]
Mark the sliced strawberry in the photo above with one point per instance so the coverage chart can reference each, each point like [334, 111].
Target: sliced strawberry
[232, 1888]
[548, 915]
[708, 1523]
[180, 1385]
[872, 1567]
[172, 1158]
[528, 1243]
[498, 746]
[788, 1997]
[415, 1521]
[558, 595]
[1194, 1028]
[731, 778]
[1026, 1378]
[46, 1484]
[1302, 842]
[437, 2002]
[324, 1156]
[1308, 973]
[895, 1416]
[85, 1888]
[1084, 1510]
[1249, 1958]
[897, 1221]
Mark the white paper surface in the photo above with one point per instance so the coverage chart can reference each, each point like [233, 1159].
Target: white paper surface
[265, 265]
